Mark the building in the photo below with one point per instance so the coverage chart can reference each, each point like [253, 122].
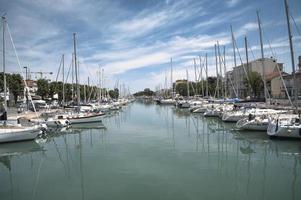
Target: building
[237, 78]
[275, 83]
[32, 87]
[289, 82]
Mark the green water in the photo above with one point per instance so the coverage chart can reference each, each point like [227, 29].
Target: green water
[152, 152]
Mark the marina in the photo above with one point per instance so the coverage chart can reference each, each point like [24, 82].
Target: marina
[167, 153]
[186, 99]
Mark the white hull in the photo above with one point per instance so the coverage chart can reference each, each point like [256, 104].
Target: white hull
[18, 134]
[212, 113]
[232, 118]
[85, 119]
[199, 110]
[167, 101]
[253, 126]
[293, 131]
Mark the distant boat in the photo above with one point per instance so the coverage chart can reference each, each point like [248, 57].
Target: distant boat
[167, 101]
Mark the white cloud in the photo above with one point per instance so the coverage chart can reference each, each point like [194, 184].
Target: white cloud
[246, 28]
[141, 25]
[232, 3]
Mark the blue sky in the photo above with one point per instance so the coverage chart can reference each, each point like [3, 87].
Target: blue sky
[133, 40]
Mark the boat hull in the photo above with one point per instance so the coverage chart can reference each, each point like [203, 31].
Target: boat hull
[86, 119]
[15, 135]
[292, 131]
[254, 127]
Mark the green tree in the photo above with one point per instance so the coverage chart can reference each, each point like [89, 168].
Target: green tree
[15, 85]
[114, 93]
[145, 92]
[254, 83]
[56, 88]
[211, 85]
[43, 88]
[181, 88]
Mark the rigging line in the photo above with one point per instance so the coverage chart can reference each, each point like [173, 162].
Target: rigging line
[18, 61]
[69, 71]
[250, 48]
[57, 75]
[297, 28]
[282, 80]
[235, 44]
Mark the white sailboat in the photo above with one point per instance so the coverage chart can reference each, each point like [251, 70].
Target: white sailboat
[167, 101]
[13, 132]
[79, 117]
[285, 126]
[217, 111]
[259, 123]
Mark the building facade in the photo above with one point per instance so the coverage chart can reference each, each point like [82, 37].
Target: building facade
[237, 78]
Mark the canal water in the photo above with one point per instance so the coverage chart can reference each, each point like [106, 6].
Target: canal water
[152, 152]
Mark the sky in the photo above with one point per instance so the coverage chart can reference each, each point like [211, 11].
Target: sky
[134, 40]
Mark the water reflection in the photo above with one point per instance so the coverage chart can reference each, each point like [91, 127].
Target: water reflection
[251, 150]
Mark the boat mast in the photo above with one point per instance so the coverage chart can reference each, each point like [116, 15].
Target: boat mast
[188, 94]
[63, 79]
[201, 68]
[225, 74]
[216, 68]
[206, 75]
[247, 59]
[102, 83]
[99, 82]
[220, 69]
[195, 77]
[72, 78]
[292, 51]
[3, 51]
[172, 89]
[262, 57]
[76, 72]
[234, 57]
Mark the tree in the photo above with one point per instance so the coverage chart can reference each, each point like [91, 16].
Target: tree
[43, 88]
[254, 83]
[114, 93]
[15, 85]
[211, 85]
[145, 92]
[56, 88]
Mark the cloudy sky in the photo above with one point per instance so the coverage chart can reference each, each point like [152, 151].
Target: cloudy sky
[133, 40]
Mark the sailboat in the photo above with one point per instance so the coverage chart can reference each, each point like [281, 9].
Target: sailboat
[13, 132]
[289, 125]
[79, 117]
[169, 101]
